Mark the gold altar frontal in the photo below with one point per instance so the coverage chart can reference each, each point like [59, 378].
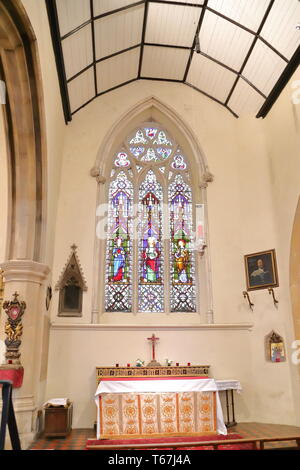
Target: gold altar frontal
[159, 414]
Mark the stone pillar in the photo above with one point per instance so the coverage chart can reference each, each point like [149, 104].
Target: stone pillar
[27, 278]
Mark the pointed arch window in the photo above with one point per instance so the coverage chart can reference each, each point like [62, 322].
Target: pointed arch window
[150, 264]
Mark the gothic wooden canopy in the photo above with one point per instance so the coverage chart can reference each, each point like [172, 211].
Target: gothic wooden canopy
[240, 53]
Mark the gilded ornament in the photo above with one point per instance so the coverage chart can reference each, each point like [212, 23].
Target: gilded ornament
[13, 329]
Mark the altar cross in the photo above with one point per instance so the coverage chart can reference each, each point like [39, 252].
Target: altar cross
[153, 339]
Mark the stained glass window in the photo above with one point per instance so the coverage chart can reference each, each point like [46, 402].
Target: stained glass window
[150, 295]
[151, 171]
[118, 295]
[182, 265]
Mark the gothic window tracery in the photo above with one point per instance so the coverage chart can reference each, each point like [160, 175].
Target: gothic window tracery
[150, 264]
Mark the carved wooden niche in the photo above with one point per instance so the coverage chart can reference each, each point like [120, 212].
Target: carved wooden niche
[71, 285]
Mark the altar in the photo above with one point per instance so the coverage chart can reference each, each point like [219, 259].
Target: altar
[162, 401]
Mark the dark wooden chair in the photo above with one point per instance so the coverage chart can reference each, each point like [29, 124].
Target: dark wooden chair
[8, 417]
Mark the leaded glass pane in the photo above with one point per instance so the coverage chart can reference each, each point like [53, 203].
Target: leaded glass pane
[137, 151]
[150, 132]
[122, 160]
[150, 292]
[178, 162]
[118, 291]
[182, 264]
[162, 139]
[164, 152]
[138, 138]
[150, 144]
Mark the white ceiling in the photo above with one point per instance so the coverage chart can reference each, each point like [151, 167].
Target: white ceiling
[245, 45]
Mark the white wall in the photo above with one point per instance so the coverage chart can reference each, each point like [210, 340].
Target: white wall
[243, 219]
[282, 131]
[76, 352]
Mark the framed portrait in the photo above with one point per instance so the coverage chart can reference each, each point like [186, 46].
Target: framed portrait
[261, 270]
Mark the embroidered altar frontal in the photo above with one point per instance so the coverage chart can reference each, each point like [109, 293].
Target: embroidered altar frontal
[161, 371]
[144, 414]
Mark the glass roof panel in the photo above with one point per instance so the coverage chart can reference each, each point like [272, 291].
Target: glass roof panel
[164, 62]
[264, 67]
[210, 77]
[224, 41]
[72, 13]
[171, 24]
[119, 31]
[247, 12]
[104, 6]
[168, 30]
[280, 28]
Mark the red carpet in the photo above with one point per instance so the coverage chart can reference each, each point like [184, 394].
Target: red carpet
[173, 440]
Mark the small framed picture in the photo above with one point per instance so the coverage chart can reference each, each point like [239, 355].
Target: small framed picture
[275, 349]
[261, 270]
[277, 352]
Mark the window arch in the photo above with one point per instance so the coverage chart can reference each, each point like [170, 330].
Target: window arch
[150, 262]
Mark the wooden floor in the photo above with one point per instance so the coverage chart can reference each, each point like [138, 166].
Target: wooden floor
[78, 437]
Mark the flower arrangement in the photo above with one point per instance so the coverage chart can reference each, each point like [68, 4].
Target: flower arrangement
[139, 363]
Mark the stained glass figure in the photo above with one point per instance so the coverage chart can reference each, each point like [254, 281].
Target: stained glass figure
[138, 138]
[118, 296]
[178, 162]
[150, 132]
[118, 261]
[149, 155]
[122, 160]
[182, 268]
[137, 151]
[164, 152]
[150, 297]
[162, 139]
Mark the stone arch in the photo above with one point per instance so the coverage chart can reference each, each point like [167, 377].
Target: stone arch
[295, 274]
[23, 268]
[151, 109]
[24, 126]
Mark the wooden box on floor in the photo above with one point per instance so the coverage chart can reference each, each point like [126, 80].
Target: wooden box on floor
[58, 421]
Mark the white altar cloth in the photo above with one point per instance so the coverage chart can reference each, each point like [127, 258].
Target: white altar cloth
[160, 385]
[229, 385]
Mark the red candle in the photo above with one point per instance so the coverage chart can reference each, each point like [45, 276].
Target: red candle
[189, 363]
[128, 365]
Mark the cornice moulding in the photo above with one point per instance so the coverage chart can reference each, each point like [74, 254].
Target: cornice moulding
[105, 327]
[24, 271]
